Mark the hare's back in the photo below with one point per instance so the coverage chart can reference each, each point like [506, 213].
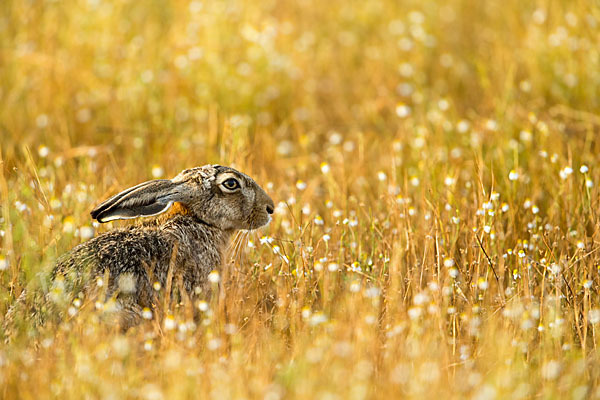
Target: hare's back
[127, 257]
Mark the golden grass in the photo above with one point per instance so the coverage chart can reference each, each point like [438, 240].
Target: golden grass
[416, 150]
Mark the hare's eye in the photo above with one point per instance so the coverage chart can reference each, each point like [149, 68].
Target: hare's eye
[231, 184]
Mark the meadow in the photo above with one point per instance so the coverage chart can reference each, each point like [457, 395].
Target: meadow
[434, 166]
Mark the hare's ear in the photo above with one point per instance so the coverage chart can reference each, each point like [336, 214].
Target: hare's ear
[146, 199]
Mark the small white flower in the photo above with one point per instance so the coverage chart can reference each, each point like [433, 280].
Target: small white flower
[420, 298]
[306, 313]
[214, 344]
[402, 110]
[584, 169]
[414, 312]
[301, 185]
[565, 172]
[491, 124]
[539, 16]
[146, 313]
[202, 306]
[43, 151]
[170, 322]
[525, 136]
[157, 171]
[462, 126]
[318, 318]
[55, 204]
[126, 283]
[3, 263]
[513, 175]
[448, 262]
[483, 284]
[86, 232]
[214, 277]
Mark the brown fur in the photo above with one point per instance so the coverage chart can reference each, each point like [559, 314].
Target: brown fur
[192, 218]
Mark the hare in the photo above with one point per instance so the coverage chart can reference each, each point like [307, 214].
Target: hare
[195, 214]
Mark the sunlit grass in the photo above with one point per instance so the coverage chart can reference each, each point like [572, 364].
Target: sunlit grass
[434, 167]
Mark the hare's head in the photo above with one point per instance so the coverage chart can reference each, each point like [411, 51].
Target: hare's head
[217, 195]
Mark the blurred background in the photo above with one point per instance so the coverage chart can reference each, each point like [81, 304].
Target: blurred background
[177, 82]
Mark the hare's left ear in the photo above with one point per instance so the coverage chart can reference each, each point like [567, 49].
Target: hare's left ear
[144, 200]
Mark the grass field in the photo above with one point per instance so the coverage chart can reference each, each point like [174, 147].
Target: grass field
[435, 169]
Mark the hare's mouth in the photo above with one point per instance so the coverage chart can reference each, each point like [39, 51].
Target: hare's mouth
[260, 220]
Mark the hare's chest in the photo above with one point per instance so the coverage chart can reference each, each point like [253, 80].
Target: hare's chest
[195, 265]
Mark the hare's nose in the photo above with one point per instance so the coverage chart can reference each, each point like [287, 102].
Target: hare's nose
[270, 209]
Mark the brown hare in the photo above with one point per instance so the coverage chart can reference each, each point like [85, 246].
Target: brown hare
[195, 214]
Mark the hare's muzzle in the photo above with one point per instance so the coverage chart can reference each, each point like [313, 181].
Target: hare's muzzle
[264, 208]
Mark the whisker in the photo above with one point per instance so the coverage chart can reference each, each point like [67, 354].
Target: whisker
[240, 245]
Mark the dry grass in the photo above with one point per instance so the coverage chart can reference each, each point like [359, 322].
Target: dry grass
[417, 149]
